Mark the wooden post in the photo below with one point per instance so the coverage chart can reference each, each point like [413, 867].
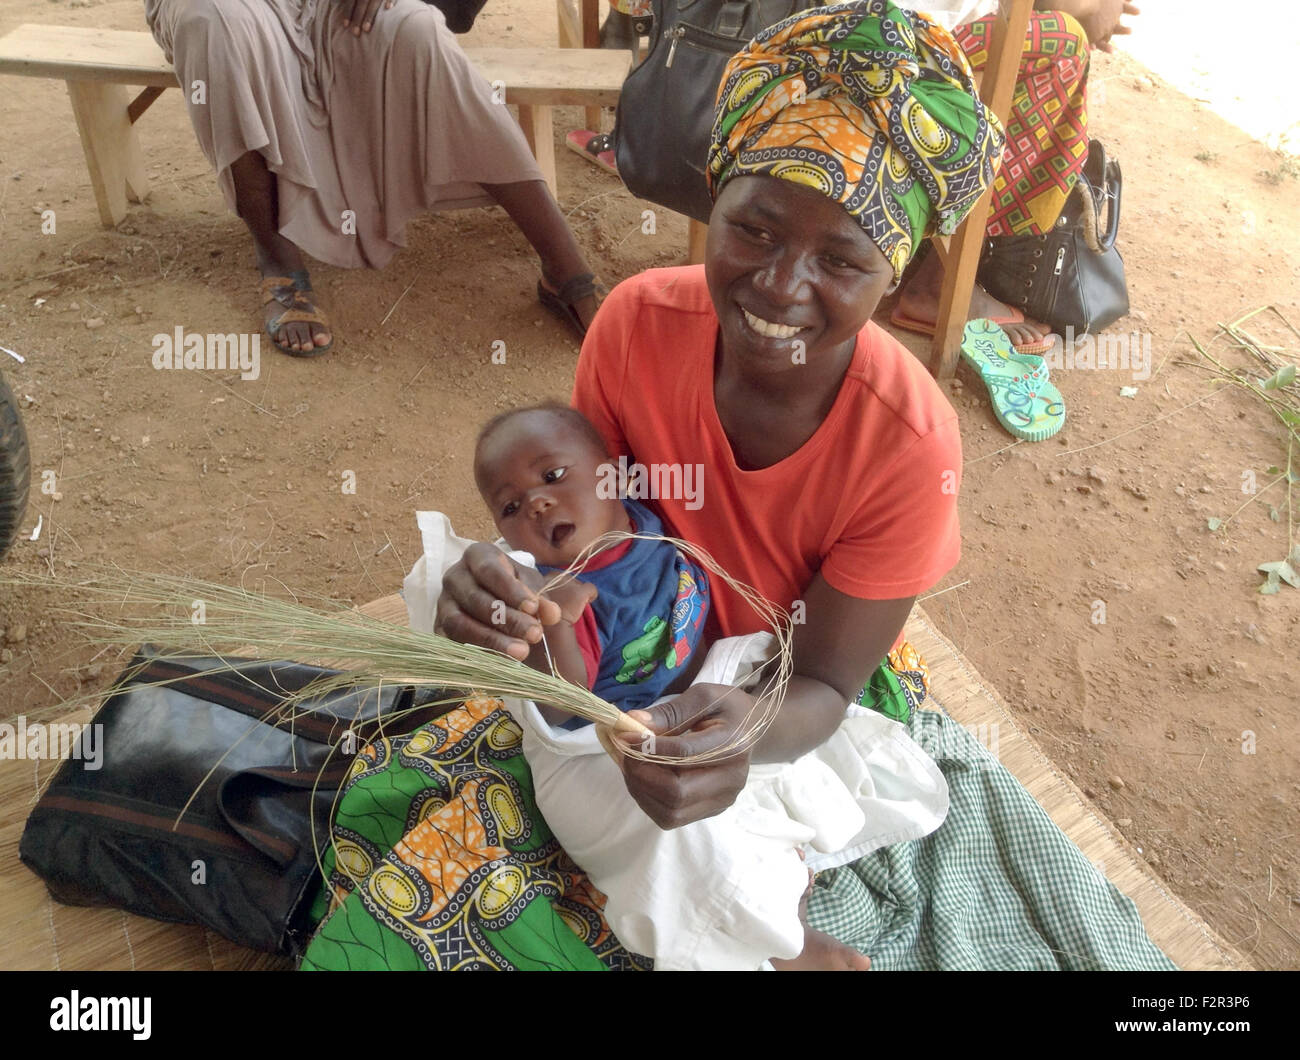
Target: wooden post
[569, 27]
[539, 132]
[579, 27]
[997, 88]
[697, 234]
[111, 146]
[590, 23]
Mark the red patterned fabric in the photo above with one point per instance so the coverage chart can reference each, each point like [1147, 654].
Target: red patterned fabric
[1047, 132]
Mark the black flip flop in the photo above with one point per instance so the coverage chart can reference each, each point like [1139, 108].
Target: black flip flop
[561, 302]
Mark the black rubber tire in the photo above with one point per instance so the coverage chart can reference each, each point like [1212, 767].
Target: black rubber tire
[15, 468]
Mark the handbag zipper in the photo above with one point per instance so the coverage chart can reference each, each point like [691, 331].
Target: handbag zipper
[1049, 297]
[675, 35]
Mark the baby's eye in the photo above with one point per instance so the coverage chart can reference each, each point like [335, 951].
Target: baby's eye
[555, 474]
[509, 510]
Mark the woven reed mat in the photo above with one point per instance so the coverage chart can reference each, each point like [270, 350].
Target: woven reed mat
[39, 933]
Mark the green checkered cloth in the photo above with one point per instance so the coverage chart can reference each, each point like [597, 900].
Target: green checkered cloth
[997, 886]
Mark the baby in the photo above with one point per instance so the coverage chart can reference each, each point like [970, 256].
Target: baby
[633, 623]
[632, 632]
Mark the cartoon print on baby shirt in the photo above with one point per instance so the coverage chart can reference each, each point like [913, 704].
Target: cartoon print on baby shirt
[661, 642]
[688, 615]
[641, 656]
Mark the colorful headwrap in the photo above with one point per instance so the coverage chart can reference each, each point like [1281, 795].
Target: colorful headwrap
[870, 104]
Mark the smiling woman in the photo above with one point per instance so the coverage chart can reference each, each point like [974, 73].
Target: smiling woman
[844, 136]
[831, 457]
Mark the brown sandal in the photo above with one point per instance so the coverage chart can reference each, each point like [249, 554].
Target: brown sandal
[289, 292]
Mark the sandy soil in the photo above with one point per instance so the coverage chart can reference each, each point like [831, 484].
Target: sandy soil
[1149, 710]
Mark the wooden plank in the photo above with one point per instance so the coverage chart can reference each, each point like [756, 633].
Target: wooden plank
[558, 77]
[962, 259]
[555, 76]
[81, 53]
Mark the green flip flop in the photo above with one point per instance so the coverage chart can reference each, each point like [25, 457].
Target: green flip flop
[1023, 399]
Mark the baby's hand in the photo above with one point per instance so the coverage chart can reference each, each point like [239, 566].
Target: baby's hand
[572, 597]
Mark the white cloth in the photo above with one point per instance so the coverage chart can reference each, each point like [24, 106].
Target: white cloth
[722, 893]
[952, 13]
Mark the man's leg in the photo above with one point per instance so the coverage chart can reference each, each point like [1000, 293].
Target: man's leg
[531, 207]
[258, 206]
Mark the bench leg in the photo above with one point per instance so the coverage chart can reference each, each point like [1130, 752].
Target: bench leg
[540, 134]
[111, 146]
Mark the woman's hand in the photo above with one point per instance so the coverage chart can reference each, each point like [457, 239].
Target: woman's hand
[1107, 22]
[360, 14]
[490, 600]
[702, 718]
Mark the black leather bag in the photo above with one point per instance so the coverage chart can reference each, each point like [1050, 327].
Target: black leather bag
[460, 14]
[664, 123]
[1072, 276]
[242, 860]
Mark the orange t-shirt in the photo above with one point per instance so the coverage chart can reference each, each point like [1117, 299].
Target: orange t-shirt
[870, 500]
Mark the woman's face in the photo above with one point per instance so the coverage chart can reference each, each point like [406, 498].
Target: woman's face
[788, 266]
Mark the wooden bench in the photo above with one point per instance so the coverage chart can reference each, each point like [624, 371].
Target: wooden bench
[99, 64]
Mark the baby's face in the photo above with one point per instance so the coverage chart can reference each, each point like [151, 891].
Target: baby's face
[538, 477]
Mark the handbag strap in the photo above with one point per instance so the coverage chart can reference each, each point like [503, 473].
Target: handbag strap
[1114, 189]
[1100, 186]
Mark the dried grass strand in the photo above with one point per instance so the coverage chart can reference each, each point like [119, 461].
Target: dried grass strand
[237, 624]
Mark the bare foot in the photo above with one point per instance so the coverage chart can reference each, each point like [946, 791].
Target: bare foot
[821, 952]
[920, 301]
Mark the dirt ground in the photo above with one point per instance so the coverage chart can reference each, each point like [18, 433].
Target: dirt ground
[1177, 713]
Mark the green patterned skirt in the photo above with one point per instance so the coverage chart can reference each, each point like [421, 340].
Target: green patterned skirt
[442, 861]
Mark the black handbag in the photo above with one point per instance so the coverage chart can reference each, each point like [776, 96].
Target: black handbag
[664, 123]
[253, 788]
[460, 14]
[1073, 276]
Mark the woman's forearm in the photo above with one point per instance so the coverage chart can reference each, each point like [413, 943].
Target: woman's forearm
[812, 711]
[1080, 9]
